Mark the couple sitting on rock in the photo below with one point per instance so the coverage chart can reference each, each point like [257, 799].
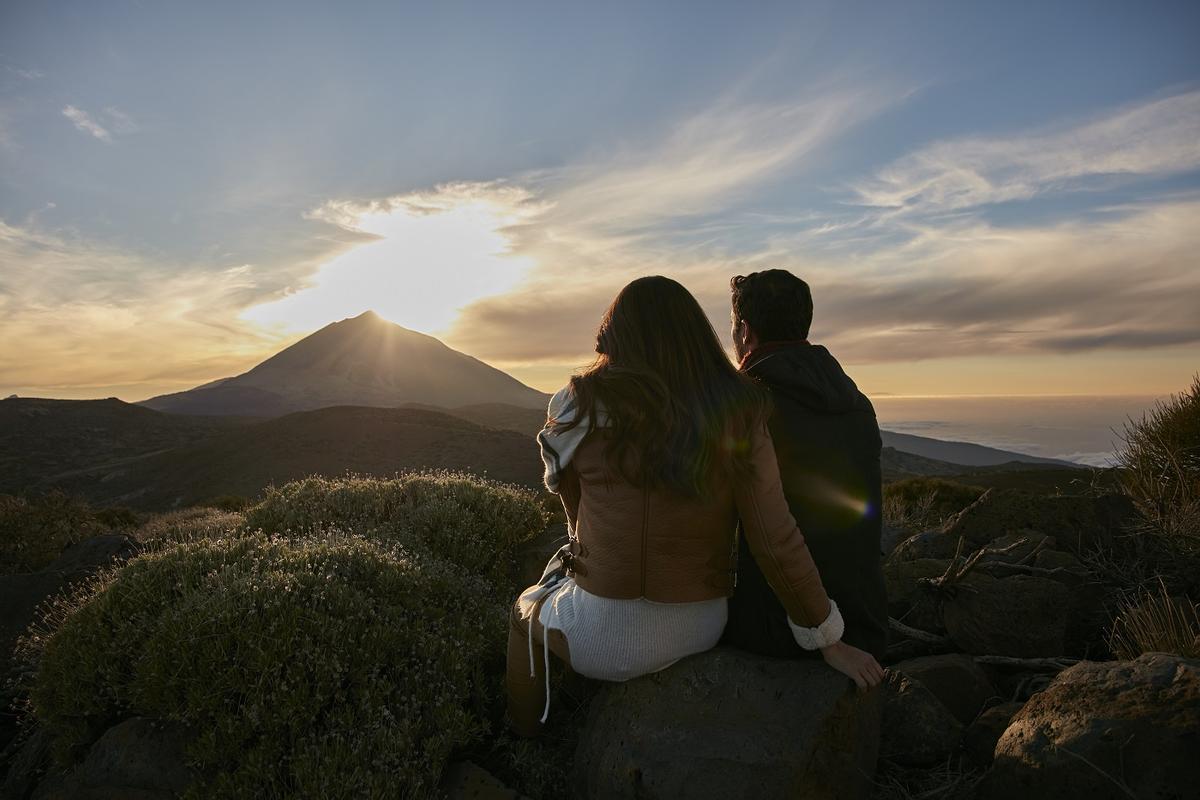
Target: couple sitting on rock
[705, 502]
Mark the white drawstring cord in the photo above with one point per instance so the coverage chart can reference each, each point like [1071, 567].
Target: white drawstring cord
[537, 612]
[546, 655]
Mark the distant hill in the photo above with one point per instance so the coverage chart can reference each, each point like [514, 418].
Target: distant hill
[363, 361]
[41, 439]
[971, 455]
[941, 454]
[327, 441]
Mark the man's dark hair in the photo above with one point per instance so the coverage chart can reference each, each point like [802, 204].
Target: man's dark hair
[776, 304]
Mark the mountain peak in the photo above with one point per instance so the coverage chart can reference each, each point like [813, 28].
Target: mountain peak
[364, 360]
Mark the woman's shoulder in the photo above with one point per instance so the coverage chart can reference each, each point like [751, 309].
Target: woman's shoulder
[561, 406]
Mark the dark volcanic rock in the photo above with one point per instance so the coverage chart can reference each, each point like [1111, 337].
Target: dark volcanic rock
[1077, 523]
[1022, 616]
[954, 679]
[909, 601]
[139, 758]
[466, 780]
[21, 594]
[917, 729]
[27, 766]
[1101, 730]
[979, 740]
[726, 724]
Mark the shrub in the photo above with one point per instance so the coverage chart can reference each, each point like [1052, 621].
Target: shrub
[1160, 467]
[188, 525]
[333, 668]
[1156, 622]
[34, 531]
[119, 517]
[916, 504]
[475, 524]
[230, 502]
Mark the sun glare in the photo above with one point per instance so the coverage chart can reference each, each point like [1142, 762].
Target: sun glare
[430, 259]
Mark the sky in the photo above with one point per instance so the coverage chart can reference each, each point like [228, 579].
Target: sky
[986, 198]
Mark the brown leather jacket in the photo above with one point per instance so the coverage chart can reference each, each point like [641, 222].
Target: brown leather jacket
[631, 542]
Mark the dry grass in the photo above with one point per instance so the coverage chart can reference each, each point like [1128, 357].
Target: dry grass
[917, 504]
[945, 781]
[1160, 467]
[1156, 622]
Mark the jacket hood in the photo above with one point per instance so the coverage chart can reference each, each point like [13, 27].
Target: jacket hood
[809, 375]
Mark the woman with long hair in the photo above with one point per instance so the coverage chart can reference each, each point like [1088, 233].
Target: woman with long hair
[656, 451]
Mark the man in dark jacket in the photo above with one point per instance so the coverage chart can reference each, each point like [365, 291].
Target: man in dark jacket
[827, 442]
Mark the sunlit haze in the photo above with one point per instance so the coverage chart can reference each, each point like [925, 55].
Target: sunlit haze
[987, 199]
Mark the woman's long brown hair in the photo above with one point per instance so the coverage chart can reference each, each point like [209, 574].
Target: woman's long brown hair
[679, 414]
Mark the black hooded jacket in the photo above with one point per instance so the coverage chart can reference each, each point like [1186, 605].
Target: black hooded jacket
[827, 443]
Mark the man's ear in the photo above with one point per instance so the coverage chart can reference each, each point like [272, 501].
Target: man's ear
[748, 337]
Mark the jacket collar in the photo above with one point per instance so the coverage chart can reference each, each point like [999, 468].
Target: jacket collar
[764, 351]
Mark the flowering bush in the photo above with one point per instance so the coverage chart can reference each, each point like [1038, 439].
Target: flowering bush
[475, 524]
[332, 668]
[339, 641]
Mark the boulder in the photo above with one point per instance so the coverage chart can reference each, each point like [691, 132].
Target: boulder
[918, 730]
[1022, 616]
[926, 545]
[87, 557]
[1077, 522]
[909, 601]
[1023, 545]
[466, 780]
[979, 740]
[1058, 559]
[726, 724]
[138, 758]
[1115, 729]
[954, 679]
[889, 537]
[21, 594]
[27, 765]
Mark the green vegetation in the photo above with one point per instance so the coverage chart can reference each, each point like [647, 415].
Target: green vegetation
[473, 523]
[189, 525]
[34, 531]
[917, 504]
[344, 650]
[1156, 622]
[1160, 467]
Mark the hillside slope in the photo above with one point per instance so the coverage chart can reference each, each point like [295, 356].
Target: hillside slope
[328, 441]
[41, 439]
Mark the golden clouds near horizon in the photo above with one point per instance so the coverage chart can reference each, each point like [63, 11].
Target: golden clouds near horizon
[423, 257]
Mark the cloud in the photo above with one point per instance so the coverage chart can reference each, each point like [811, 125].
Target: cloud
[84, 122]
[641, 210]
[120, 121]
[1153, 138]
[703, 162]
[81, 313]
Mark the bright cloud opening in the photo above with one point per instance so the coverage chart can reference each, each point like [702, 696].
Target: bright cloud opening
[430, 255]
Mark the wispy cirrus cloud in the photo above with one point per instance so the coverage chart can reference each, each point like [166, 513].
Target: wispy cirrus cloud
[84, 122]
[118, 122]
[1159, 137]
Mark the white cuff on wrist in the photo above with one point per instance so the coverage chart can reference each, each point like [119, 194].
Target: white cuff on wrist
[828, 632]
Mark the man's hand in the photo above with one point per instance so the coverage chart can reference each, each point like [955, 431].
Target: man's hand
[856, 664]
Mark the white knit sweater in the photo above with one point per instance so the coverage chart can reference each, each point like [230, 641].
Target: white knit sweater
[615, 640]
